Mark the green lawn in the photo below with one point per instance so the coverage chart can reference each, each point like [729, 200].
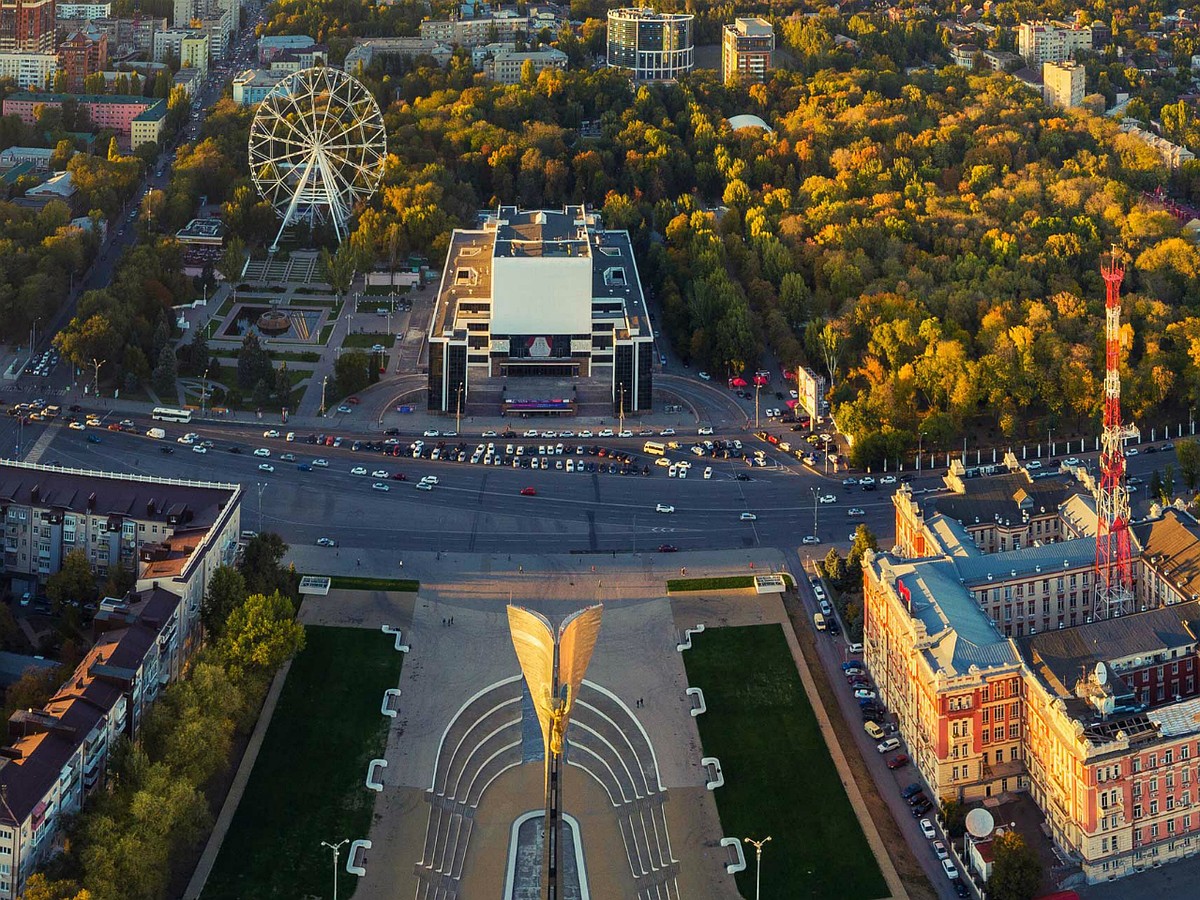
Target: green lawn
[779, 777]
[368, 339]
[308, 782]
[725, 583]
[353, 583]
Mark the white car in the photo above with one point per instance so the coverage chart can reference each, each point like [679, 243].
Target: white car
[1132, 451]
[667, 432]
[424, 486]
[186, 439]
[704, 430]
[940, 851]
[604, 432]
[533, 432]
[1071, 461]
[948, 868]
[266, 467]
[432, 432]
[272, 433]
[828, 498]
[864, 694]
[625, 434]
[429, 479]
[262, 451]
[326, 542]
[488, 434]
[322, 463]
[359, 470]
[888, 746]
[1033, 464]
[290, 436]
[888, 479]
[927, 829]
[748, 517]
[708, 473]
[585, 434]
[549, 434]
[855, 512]
[704, 376]
[77, 426]
[664, 508]
[380, 486]
[381, 473]
[199, 448]
[811, 539]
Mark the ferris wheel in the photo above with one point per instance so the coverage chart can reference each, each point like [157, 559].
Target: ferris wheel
[317, 147]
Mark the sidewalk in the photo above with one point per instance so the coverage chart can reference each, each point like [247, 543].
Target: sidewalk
[236, 788]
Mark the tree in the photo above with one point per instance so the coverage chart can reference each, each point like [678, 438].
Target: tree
[120, 580]
[74, 581]
[954, 814]
[166, 372]
[33, 689]
[261, 568]
[834, 566]
[1168, 484]
[233, 258]
[352, 372]
[226, 592]
[339, 268]
[260, 635]
[254, 363]
[39, 887]
[1188, 454]
[1016, 872]
[1156, 485]
[191, 728]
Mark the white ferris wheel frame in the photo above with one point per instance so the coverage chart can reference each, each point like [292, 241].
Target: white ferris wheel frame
[317, 146]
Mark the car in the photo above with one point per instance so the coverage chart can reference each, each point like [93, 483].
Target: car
[864, 694]
[528, 492]
[926, 826]
[704, 376]
[77, 426]
[664, 508]
[359, 470]
[625, 434]
[345, 409]
[272, 433]
[185, 439]
[326, 542]
[424, 486]
[888, 746]
[1132, 451]
[166, 450]
[667, 432]
[432, 432]
[1071, 461]
[939, 850]
[321, 463]
[898, 761]
[849, 482]
[960, 889]
[887, 479]
[866, 482]
[741, 476]
[1033, 464]
[852, 668]
[380, 473]
[828, 498]
[266, 467]
[287, 457]
[93, 439]
[1169, 445]
[262, 451]
[430, 479]
[948, 868]
[604, 432]
[921, 808]
[199, 448]
[748, 517]
[873, 729]
[381, 486]
[810, 539]
[855, 512]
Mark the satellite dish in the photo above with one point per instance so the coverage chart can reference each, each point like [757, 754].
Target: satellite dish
[1101, 674]
[980, 823]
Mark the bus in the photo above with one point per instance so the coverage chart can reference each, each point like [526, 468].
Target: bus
[166, 414]
[654, 448]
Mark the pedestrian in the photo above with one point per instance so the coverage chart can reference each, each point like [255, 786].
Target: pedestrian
[443, 620]
[358, 562]
[452, 620]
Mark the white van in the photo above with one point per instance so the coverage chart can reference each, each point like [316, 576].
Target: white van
[156, 433]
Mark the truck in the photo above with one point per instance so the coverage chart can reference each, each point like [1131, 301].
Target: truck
[156, 433]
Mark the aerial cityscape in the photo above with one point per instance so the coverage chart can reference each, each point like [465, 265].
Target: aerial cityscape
[461, 450]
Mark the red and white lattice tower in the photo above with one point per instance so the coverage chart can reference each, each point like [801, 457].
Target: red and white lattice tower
[1114, 581]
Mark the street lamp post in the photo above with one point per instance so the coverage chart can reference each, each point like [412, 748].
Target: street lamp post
[621, 426]
[758, 845]
[816, 499]
[261, 487]
[203, 391]
[920, 441]
[757, 388]
[458, 409]
[324, 384]
[336, 848]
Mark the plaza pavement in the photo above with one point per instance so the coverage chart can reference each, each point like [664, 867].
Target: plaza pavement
[635, 658]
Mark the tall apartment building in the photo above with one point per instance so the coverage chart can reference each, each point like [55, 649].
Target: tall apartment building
[27, 26]
[173, 535]
[30, 71]
[746, 50]
[82, 53]
[130, 35]
[1063, 84]
[170, 43]
[1099, 722]
[193, 52]
[83, 10]
[217, 18]
[649, 45]
[1041, 42]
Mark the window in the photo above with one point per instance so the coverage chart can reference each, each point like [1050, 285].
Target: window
[1137, 812]
[1154, 807]
[1168, 756]
[1153, 830]
[1014, 731]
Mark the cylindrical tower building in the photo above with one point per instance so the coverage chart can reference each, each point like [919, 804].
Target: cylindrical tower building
[650, 45]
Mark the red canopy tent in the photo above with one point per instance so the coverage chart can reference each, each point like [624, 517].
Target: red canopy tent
[737, 382]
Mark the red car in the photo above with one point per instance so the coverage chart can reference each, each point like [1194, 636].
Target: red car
[668, 548]
[528, 492]
[354, 401]
[400, 476]
[900, 759]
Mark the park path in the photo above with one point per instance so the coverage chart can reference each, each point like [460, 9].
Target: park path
[204, 867]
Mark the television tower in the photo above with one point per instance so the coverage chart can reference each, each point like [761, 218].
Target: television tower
[1114, 582]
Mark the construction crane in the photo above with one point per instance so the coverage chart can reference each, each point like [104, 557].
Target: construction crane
[1113, 578]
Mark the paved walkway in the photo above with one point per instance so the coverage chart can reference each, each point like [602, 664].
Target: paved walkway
[236, 789]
